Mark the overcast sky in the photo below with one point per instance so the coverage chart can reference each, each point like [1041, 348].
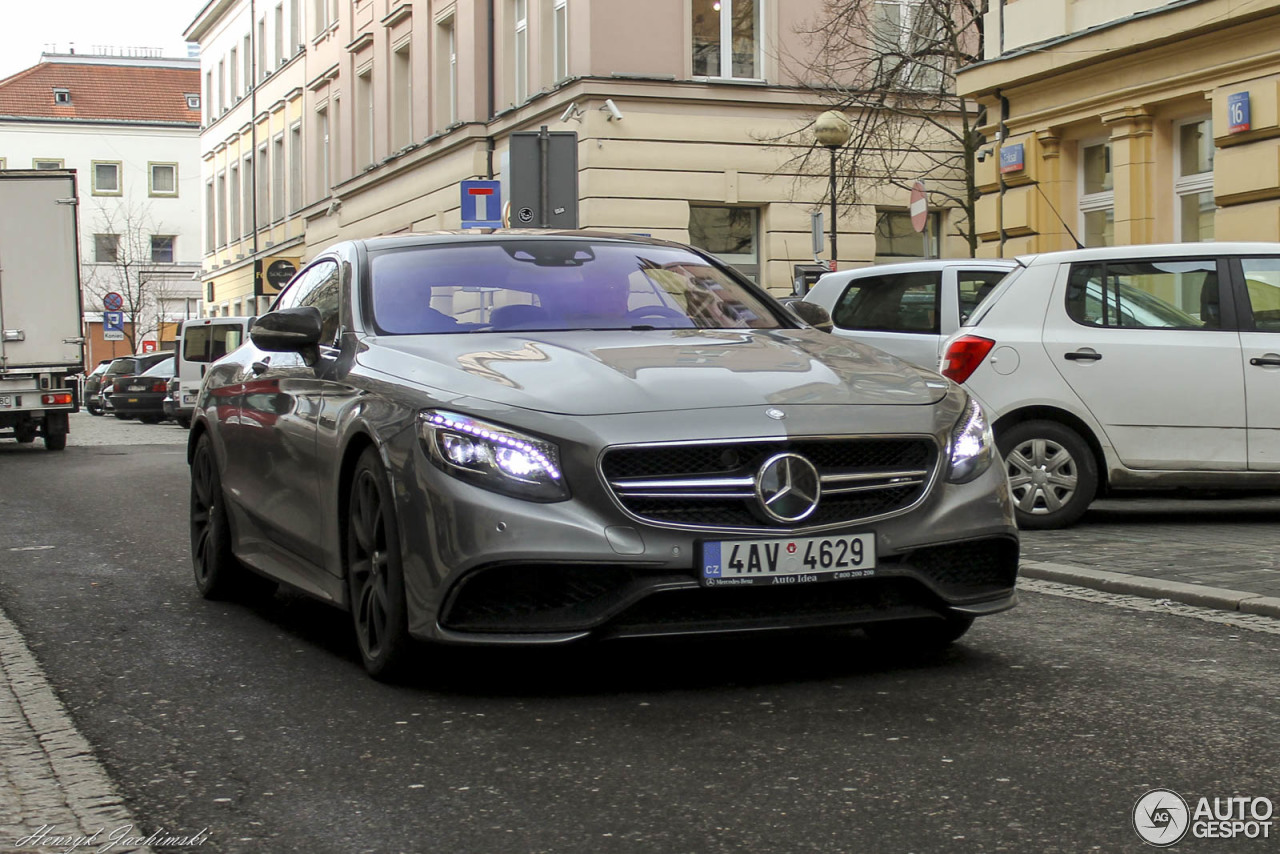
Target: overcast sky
[29, 27]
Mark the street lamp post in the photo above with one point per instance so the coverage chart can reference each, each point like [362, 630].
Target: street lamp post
[832, 130]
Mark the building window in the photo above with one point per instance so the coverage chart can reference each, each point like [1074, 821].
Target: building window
[295, 27]
[163, 179]
[46, 163]
[446, 73]
[909, 42]
[321, 10]
[1193, 185]
[520, 36]
[220, 200]
[401, 97]
[3, 163]
[106, 248]
[233, 201]
[726, 39]
[295, 167]
[731, 234]
[61, 97]
[233, 67]
[364, 119]
[222, 86]
[324, 165]
[208, 97]
[210, 214]
[193, 102]
[277, 179]
[279, 34]
[248, 186]
[162, 248]
[264, 70]
[247, 56]
[560, 39]
[897, 238]
[1097, 194]
[263, 211]
[106, 178]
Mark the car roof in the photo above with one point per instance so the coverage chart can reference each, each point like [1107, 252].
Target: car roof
[1148, 250]
[922, 265]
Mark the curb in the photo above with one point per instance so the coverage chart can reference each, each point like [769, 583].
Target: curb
[1217, 598]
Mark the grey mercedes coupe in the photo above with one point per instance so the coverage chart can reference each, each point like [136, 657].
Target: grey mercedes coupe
[534, 438]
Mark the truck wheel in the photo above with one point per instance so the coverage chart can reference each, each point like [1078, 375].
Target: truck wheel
[1052, 473]
[56, 427]
[55, 443]
[25, 432]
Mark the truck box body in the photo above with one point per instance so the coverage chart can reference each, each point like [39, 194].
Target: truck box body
[41, 343]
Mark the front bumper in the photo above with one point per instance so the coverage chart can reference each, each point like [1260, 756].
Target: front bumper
[490, 569]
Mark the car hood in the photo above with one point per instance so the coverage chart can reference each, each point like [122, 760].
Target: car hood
[618, 372]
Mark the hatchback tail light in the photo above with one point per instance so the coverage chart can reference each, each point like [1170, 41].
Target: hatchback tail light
[964, 355]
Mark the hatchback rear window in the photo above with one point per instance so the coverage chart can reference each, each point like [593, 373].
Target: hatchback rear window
[549, 285]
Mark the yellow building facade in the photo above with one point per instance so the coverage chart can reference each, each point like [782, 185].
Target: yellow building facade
[1117, 124]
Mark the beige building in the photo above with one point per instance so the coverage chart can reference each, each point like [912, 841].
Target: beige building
[388, 104]
[1131, 122]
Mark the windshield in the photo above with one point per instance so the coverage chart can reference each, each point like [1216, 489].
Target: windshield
[552, 285]
[160, 369]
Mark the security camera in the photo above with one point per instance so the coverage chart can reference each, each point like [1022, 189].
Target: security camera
[983, 154]
[612, 109]
[571, 113]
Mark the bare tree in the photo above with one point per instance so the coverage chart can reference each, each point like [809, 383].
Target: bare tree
[124, 262]
[889, 66]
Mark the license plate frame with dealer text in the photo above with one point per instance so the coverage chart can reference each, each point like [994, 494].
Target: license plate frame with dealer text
[793, 560]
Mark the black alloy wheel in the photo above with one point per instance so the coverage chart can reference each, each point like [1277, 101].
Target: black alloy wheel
[218, 573]
[375, 576]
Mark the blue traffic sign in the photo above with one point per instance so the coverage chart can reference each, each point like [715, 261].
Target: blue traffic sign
[113, 321]
[481, 204]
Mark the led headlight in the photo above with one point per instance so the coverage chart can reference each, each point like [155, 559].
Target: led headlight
[492, 456]
[971, 444]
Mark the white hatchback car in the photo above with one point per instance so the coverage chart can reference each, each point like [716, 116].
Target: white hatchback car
[1131, 367]
[907, 309]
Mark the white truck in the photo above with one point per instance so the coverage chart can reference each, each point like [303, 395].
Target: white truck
[41, 342]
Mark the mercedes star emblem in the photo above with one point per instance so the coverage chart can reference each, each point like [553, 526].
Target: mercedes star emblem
[788, 488]
[775, 414]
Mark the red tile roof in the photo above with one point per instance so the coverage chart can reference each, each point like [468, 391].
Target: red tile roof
[102, 92]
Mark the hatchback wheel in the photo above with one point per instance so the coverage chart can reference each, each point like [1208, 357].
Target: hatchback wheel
[375, 575]
[1052, 473]
[218, 573]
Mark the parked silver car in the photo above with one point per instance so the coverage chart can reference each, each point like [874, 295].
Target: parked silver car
[908, 309]
[540, 438]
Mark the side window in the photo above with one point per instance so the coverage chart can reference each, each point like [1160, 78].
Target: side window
[1262, 284]
[905, 302]
[973, 287]
[299, 286]
[195, 343]
[324, 293]
[1172, 294]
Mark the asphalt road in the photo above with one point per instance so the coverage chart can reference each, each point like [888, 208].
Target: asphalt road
[1037, 732]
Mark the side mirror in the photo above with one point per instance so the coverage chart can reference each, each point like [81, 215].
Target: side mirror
[812, 314]
[289, 330]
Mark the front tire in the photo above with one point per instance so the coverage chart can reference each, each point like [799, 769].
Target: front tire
[218, 573]
[1052, 473]
[375, 574]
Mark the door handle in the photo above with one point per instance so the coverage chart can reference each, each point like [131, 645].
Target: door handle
[1083, 356]
[1266, 361]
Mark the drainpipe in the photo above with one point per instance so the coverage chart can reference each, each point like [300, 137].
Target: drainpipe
[1004, 132]
[491, 143]
[253, 109]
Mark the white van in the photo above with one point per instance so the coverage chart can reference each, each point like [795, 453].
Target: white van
[201, 342]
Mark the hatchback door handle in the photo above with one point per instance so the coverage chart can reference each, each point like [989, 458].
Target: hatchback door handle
[1083, 356]
[1266, 361]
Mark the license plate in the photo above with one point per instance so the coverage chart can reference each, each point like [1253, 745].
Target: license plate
[6, 400]
[790, 561]
[188, 397]
[137, 388]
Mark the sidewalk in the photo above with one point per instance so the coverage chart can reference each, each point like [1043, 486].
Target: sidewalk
[1215, 553]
